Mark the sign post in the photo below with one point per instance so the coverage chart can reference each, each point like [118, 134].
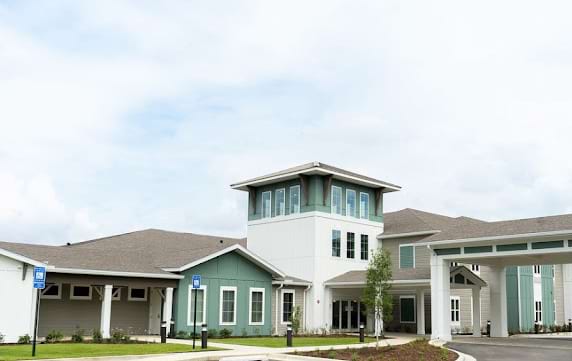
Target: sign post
[196, 285]
[39, 284]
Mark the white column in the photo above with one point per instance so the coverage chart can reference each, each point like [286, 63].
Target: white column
[498, 314]
[105, 325]
[477, 312]
[168, 307]
[420, 297]
[567, 286]
[440, 299]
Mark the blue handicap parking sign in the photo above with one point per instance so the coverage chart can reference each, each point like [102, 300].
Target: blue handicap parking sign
[40, 277]
[196, 281]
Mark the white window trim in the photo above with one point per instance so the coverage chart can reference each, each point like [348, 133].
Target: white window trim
[190, 312]
[276, 203]
[50, 297]
[455, 298]
[116, 296]
[332, 200]
[227, 288]
[360, 209]
[290, 202]
[81, 298]
[129, 298]
[414, 309]
[293, 292]
[355, 205]
[541, 312]
[406, 245]
[262, 204]
[250, 292]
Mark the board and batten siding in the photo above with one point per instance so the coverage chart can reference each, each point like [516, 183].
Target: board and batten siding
[230, 269]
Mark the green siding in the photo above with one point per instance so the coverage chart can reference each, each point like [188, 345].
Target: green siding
[512, 299]
[547, 280]
[526, 298]
[512, 247]
[479, 249]
[315, 200]
[230, 269]
[549, 244]
[447, 251]
[406, 257]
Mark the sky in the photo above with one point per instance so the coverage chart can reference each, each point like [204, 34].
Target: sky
[117, 116]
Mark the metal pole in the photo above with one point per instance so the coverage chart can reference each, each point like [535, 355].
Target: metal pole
[37, 317]
[195, 319]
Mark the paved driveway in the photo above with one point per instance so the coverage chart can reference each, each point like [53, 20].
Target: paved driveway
[520, 349]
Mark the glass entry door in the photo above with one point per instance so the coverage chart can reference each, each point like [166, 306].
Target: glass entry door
[348, 314]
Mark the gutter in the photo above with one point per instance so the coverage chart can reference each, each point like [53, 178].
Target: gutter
[305, 291]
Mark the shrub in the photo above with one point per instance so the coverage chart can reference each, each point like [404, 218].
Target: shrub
[54, 336]
[332, 354]
[244, 332]
[96, 336]
[296, 319]
[355, 356]
[1, 337]
[77, 336]
[212, 333]
[118, 336]
[225, 332]
[24, 339]
[182, 334]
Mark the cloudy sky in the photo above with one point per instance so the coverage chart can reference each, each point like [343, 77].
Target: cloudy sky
[117, 116]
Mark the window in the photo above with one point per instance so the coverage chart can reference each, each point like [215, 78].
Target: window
[137, 294]
[536, 270]
[201, 294]
[364, 250]
[453, 264]
[455, 310]
[116, 294]
[52, 292]
[476, 269]
[336, 243]
[406, 257]
[78, 292]
[227, 305]
[407, 309]
[287, 305]
[294, 199]
[266, 204]
[350, 245]
[538, 311]
[364, 206]
[350, 203]
[256, 310]
[280, 202]
[336, 200]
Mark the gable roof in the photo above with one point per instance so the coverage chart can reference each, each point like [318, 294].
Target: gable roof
[316, 168]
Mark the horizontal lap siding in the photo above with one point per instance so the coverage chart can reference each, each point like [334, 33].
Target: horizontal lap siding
[422, 258]
[276, 313]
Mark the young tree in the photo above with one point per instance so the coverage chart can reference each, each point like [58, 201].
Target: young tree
[376, 293]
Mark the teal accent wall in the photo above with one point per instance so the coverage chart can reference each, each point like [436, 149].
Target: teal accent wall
[316, 198]
[526, 298]
[230, 269]
[406, 257]
[546, 273]
[513, 316]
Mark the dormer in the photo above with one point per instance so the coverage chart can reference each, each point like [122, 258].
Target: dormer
[315, 187]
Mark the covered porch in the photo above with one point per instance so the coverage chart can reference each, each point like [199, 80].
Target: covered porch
[135, 305]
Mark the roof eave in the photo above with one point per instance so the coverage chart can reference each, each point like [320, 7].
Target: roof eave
[82, 271]
[510, 237]
[407, 234]
[21, 258]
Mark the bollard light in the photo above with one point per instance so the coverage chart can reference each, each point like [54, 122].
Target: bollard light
[361, 333]
[289, 335]
[204, 335]
[163, 332]
[489, 328]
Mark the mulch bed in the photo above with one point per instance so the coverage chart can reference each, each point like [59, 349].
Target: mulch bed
[413, 351]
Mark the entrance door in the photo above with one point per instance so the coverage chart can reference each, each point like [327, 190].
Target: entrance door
[155, 310]
[347, 315]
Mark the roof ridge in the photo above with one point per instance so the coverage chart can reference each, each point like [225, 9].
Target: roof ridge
[531, 218]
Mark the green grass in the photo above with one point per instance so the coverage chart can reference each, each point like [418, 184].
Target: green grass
[297, 341]
[61, 350]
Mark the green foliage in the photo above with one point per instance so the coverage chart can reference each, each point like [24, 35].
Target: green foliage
[296, 319]
[24, 339]
[225, 332]
[212, 333]
[332, 354]
[77, 336]
[118, 336]
[355, 356]
[54, 336]
[376, 293]
[444, 354]
[244, 333]
[182, 334]
[96, 336]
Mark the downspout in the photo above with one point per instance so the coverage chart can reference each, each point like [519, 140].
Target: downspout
[305, 290]
[276, 314]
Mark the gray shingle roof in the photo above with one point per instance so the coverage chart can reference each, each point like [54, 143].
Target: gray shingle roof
[349, 277]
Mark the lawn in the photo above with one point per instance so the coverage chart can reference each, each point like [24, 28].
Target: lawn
[61, 350]
[299, 341]
[413, 351]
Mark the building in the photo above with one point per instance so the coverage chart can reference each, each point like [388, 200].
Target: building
[311, 231]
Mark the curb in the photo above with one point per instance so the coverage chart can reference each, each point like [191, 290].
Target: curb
[462, 356]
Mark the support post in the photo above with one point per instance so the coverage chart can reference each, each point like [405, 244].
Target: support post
[440, 299]
[420, 297]
[498, 313]
[105, 324]
[168, 308]
[477, 312]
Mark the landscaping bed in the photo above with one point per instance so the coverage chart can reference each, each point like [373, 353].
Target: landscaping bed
[413, 351]
[297, 341]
